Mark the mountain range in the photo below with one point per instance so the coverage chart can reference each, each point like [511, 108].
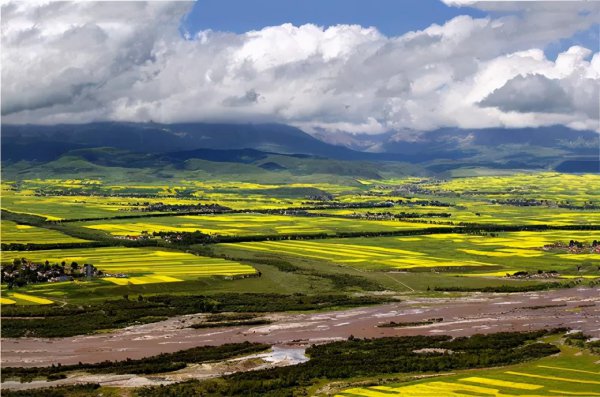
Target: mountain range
[152, 144]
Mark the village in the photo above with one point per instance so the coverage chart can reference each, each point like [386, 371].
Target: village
[574, 247]
[23, 271]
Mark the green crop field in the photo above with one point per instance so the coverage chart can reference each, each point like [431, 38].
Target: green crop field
[544, 186]
[64, 199]
[14, 233]
[486, 255]
[478, 212]
[572, 373]
[552, 186]
[402, 263]
[81, 207]
[415, 261]
[247, 225]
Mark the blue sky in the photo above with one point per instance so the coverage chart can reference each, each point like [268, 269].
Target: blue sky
[588, 38]
[391, 17]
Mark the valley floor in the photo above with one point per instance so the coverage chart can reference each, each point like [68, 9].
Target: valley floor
[201, 264]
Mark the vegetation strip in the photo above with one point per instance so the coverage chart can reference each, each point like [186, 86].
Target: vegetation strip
[165, 362]
[53, 321]
[509, 288]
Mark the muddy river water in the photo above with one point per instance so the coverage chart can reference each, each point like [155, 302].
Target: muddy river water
[481, 313]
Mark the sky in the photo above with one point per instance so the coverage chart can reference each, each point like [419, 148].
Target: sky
[351, 66]
[390, 17]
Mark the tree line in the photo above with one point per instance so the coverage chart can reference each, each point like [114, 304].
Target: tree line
[510, 288]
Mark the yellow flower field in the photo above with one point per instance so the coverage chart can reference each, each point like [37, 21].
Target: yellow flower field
[6, 301]
[247, 224]
[506, 253]
[142, 265]
[30, 298]
[10, 232]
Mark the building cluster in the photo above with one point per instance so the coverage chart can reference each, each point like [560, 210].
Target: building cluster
[574, 247]
[23, 271]
[196, 208]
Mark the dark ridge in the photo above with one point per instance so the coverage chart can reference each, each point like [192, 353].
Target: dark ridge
[272, 166]
[579, 166]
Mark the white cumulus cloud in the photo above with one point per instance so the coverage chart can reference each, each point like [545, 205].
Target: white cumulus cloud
[86, 61]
